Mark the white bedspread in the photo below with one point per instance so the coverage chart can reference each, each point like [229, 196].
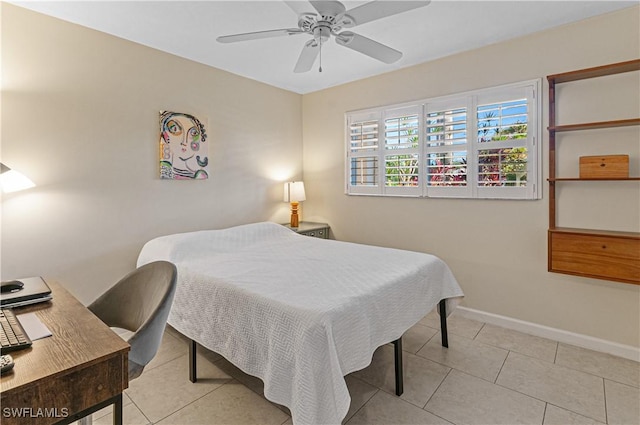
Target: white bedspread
[298, 312]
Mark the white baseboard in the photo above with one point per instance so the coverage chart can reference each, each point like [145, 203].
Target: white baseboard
[584, 341]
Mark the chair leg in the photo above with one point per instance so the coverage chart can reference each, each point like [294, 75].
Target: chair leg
[397, 350]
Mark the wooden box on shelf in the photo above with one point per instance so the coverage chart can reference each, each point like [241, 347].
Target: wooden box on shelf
[604, 167]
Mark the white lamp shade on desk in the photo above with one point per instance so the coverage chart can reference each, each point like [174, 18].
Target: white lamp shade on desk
[12, 180]
[294, 192]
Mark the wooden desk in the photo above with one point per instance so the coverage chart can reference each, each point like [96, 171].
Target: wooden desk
[80, 369]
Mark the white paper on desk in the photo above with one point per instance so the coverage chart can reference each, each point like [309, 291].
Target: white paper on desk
[33, 326]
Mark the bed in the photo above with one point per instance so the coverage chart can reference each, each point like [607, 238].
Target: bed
[298, 312]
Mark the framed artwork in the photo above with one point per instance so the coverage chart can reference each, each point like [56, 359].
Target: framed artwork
[184, 155]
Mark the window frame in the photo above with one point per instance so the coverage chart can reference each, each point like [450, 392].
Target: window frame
[470, 100]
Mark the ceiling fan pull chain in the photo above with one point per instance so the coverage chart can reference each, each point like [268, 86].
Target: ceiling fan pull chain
[320, 68]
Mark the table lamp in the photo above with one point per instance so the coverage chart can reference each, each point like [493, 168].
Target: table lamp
[294, 193]
[12, 180]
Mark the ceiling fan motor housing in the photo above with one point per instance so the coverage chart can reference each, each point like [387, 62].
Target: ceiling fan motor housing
[321, 27]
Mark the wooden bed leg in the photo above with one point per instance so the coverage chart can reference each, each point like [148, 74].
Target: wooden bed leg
[443, 323]
[397, 349]
[192, 361]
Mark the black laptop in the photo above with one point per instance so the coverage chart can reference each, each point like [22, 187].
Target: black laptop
[34, 290]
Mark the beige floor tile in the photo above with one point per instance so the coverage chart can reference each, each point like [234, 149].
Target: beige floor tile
[163, 390]
[610, 367]
[106, 410]
[456, 325]
[170, 348]
[519, 342]
[466, 355]
[555, 415]
[385, 409]
[421, 376]
[574, 390]
[465, 399]
[416, 337]
[525, 381]
[131, 415]
[231, 404]
[623, 403]
[360, 393]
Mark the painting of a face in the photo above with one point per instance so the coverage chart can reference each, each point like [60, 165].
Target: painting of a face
[183, 155]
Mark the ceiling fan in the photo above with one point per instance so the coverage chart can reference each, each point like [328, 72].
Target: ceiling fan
[324, 18]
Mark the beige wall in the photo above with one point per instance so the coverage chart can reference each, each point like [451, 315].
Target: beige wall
[496, 249]
[80, 117]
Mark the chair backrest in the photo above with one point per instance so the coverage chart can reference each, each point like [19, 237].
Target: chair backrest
[140, 302]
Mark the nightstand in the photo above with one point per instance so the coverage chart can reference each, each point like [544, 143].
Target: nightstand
[307, 228]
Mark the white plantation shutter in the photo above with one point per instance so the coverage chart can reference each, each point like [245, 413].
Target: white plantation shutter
[446, 148]
[402, 151]
[506, 143]
[480, 144]
[364, 135]
[363, 169]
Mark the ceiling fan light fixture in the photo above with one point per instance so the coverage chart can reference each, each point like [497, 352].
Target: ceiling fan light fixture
[322, 32]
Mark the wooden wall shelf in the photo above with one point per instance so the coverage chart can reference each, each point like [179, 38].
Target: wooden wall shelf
[602, 179]
[596, 232]
[596, 125]
[598, 71]
[601, 254]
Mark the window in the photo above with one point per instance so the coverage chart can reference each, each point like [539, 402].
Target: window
[481, 144]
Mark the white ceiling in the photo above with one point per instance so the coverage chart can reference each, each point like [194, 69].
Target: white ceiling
[189, 29]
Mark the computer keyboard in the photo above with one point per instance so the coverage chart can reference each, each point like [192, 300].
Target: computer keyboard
[12, 336]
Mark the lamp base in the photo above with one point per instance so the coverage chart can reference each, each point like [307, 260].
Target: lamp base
[294, 215]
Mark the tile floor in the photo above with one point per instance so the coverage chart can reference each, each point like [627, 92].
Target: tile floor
[488, 375]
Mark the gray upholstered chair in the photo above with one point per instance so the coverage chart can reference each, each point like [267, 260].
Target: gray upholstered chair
[140, 303]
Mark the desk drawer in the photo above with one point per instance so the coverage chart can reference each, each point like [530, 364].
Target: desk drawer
[51, 400]
[599, 256]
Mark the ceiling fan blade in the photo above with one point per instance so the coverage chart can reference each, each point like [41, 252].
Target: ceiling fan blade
[300, 7]
[328, 7]
[258, 35]
[307, 56]
[379, 9]
[368, 47]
